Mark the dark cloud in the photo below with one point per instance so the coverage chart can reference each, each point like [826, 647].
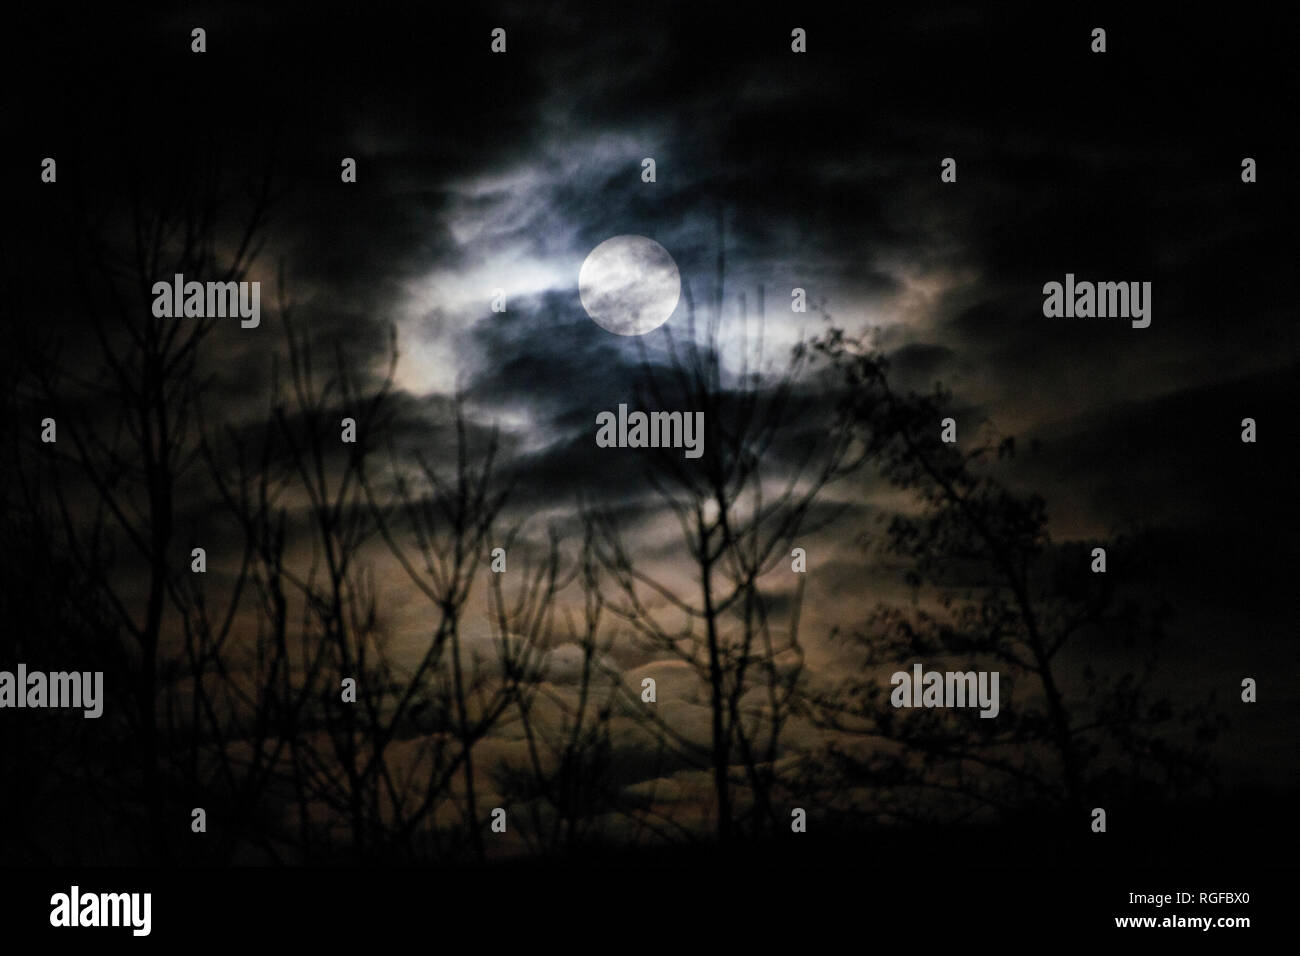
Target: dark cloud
[818, 171]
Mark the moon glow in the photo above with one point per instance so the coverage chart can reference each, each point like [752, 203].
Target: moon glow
[629, 285]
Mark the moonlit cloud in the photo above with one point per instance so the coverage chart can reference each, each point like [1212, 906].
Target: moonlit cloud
[477, 178]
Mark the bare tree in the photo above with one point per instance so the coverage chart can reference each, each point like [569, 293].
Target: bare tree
[998, 595]
[440, 524]
[566, 784]
[739, 508]
[126, 423]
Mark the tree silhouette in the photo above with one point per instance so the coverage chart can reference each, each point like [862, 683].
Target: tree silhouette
[738, 508]
[994, 592]
[125, 404]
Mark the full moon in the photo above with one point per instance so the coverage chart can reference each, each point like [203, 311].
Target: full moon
[629, 285]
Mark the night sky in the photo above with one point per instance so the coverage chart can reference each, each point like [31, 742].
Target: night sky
[821, 171]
